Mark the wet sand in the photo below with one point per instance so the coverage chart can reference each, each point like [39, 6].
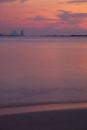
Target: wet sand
[73, 119]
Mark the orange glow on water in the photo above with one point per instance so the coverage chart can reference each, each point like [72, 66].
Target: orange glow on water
[44, 70]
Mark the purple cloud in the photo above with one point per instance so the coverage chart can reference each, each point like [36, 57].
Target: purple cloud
[23, 1]
[2, 1]
[41, 18]
[71, 18]
[76, 1]
[5, 1]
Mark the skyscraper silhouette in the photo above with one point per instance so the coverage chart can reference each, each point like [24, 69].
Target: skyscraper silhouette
[22, 33]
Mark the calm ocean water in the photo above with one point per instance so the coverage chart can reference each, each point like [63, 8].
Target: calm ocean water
[42, 70]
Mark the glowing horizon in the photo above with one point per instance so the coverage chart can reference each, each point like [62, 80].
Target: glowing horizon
[44, 16]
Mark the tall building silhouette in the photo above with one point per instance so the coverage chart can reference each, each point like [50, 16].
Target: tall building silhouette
[22, 33]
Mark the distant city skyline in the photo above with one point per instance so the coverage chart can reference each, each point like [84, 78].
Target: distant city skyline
[43, 16]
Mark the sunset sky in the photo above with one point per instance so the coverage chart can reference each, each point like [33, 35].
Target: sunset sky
[43, 16]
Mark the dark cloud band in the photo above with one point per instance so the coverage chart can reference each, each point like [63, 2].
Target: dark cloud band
[5, 1]
[76, 1]
[2, 1]
[71, 18]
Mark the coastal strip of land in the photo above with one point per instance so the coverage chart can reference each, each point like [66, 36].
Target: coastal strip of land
[70, 119]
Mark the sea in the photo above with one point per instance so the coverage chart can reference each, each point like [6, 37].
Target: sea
[37, 70]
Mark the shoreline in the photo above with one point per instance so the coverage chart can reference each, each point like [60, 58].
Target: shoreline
[41, 108]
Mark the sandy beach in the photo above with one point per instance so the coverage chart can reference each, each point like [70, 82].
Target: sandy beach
[70, 119]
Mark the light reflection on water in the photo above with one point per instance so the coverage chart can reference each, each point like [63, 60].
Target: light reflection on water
[43, 70]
